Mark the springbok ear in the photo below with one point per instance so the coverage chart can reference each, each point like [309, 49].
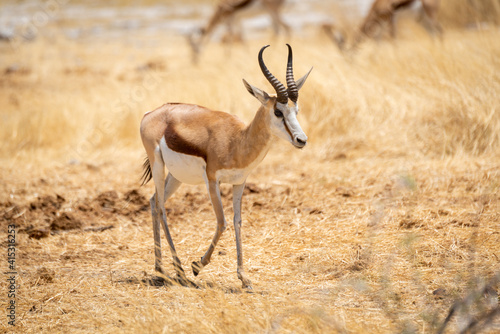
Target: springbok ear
[301, 81]
[259, 94]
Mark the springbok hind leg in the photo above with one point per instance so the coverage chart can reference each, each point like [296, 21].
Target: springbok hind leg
[156, 233]
[171, 185]
[159, 213]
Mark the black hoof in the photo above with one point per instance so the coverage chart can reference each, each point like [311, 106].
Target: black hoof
[159, 270]
[196, 266]
[157, 281]
[183, 281]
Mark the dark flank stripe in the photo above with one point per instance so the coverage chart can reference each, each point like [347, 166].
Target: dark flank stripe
[178, 144]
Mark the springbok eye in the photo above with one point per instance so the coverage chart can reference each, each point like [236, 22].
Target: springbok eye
[278, 113]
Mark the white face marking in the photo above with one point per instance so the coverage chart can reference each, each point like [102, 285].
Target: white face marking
[185, 168]
[295, 135]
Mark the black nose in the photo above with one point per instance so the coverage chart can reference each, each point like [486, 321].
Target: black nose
[301, 142]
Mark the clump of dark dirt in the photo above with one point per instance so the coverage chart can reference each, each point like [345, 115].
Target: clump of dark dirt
[409, 222]
[195, 199]
[50, 214]
[38, 233]
[251, 188]
[28, 216]
[344, 192]
[358, 265]
[85, 207]
[134, 197]
[65, 221]
[49, 204]
[439, 293]
[44, 275]
[107, 200]
[10, 211]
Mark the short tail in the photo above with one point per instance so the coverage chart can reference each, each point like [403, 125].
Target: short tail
[147, 173]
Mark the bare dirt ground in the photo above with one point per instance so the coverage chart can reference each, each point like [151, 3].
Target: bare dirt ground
[386, 221]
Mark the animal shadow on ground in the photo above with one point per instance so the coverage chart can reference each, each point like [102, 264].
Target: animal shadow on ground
[168, 281]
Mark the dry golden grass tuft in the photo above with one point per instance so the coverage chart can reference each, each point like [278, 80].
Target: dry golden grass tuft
[387, 218]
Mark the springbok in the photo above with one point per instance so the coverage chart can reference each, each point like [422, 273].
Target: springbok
[225, 11]
[383, 12]
[199, 145]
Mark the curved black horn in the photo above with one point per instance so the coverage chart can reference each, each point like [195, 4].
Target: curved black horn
[293, 92]
[280, 89]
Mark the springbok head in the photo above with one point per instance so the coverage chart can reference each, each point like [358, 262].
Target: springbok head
[283, 108]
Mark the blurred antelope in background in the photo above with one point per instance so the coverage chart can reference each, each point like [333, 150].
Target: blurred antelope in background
[199, 145]
[224, 13]
[383, 12]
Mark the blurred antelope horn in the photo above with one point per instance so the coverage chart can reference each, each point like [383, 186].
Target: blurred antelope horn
[293, 92]
[280, 89]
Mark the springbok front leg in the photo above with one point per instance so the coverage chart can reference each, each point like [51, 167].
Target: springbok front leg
[163, 191]
[237, 195]
[214, 192]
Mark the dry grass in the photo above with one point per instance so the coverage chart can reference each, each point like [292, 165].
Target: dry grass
[389, 216]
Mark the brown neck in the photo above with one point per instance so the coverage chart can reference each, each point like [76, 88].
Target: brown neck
[256, 136]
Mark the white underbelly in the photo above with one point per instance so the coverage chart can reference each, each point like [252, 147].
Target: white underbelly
[192, 169]
[185, 168]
